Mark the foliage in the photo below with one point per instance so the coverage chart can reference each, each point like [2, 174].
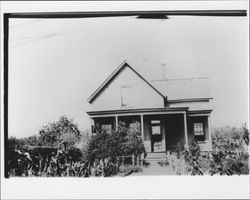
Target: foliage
[245, 134]
[55, 167]
[82, 143]
[34, 140]
[229, 154]
[227, 157]
[75, 154]
[14, 142]
[191, 156]
[118, 143]
[229, 163]
[230, 138]
[104, 167]
[61, 130]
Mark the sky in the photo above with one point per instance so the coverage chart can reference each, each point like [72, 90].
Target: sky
[56, 64]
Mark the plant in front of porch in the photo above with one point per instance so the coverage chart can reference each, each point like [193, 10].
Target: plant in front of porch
[229, 156]
[120, 143]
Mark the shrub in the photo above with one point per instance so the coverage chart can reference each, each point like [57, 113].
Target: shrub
[118, 143]
[75, 154]
[61, 130]
[192, 156]
[230, 138]
[245, 134]
[230, 155]
[229, 163]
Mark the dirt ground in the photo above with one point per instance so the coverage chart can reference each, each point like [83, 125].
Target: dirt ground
[155, 169]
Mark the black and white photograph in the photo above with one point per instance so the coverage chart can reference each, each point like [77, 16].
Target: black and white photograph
[125, 92]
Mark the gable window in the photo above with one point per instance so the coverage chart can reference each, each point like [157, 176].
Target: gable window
[199, 131]
[125, 95]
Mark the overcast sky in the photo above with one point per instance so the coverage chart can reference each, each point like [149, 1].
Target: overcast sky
[55, 64]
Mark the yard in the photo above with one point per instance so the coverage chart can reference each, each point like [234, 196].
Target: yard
[122, 153]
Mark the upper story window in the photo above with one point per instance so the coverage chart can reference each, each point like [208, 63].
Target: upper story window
[126, 95]
[199, 131]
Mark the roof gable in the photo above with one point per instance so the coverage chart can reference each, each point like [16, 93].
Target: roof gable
[113, 76]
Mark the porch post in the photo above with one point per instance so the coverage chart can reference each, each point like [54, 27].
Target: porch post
[209, 131]
[90, 125]
[185, 129]
[116, 123]
[142, 128]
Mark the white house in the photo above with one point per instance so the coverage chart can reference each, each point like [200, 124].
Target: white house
[169, 112]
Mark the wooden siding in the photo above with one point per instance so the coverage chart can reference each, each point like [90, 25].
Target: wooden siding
[142, 96]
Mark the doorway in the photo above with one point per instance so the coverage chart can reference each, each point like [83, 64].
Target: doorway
[157, 142]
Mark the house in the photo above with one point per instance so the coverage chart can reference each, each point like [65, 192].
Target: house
[168, 113]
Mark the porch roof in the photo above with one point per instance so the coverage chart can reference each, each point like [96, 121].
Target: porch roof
[199, 112]
[138, 111]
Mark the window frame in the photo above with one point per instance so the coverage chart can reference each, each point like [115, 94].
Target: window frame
[198, 131]
[109, 130]
[124, 101]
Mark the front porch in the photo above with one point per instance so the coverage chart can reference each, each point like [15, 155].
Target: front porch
[161, 129]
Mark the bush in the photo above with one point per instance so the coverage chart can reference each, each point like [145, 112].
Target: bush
[75, 154]
[192, 157]
[119, 143]
[62, 130]
[229, 163]
[230, 138]
[230, 155]
[217, 162]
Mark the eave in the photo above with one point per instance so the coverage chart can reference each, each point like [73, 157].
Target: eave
[136, 111]
[190, 100]
[113, 76]
[199, 112]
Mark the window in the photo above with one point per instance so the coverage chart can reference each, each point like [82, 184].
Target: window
[157, 122]
[198, 131]
[107, 128]
[125, 95]
[156, 127]
[156, 130]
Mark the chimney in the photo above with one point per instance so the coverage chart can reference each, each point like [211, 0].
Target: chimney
[163, 68]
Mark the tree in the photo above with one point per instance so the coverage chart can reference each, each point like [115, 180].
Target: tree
[62, 130]
[32, 140]
[83, 142]
[122, 142]
[245, 134]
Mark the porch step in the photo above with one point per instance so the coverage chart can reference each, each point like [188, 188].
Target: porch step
[156, 156]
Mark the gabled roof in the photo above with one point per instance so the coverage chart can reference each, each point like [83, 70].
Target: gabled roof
[184, 89]
[122, 66]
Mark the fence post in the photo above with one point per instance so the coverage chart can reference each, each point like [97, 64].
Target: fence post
[123, 164]
[68, 171]
[117, 165]
[102, 166]
[141, 158]
[133, 160]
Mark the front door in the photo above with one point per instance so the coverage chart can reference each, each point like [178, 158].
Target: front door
[157, 142]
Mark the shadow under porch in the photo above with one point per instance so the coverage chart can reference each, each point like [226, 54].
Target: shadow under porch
[161, 132]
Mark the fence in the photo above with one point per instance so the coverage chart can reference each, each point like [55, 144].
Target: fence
[134, 161]
[121, 161]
